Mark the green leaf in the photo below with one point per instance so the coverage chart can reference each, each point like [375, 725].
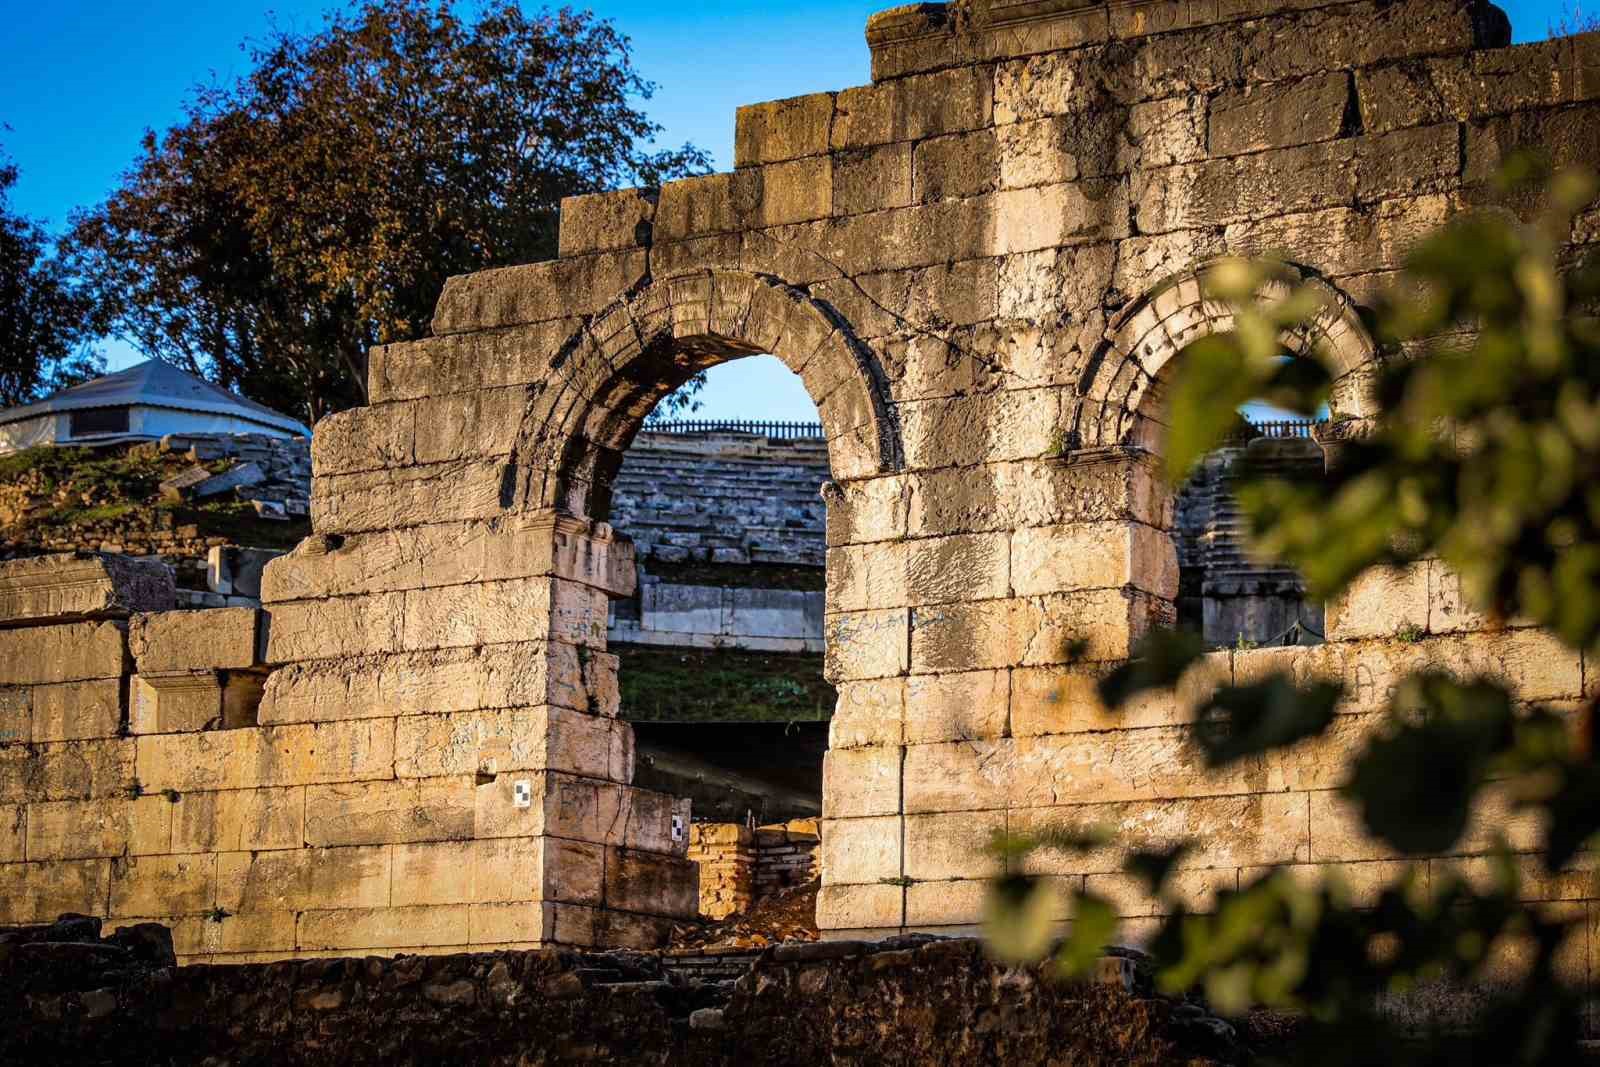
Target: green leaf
[1240, 721]
[1019, 916]
[1154, 867]
[1159, 660]
[1094, 924]
[1209, 383]
[1415, 784]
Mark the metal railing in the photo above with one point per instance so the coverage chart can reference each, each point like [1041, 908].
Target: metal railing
[780, 430]
[1249, 431]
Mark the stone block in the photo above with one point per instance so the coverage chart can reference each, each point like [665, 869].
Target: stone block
[861, 781]
[1147, 764]
[1094, 556]
[66, 770]
[345, 626]
[156, 886]
[518, 739]
[856, 907]
[1258, 117]
[1236, 831]
[866, 644]
[241, 820]
[782, 129]
[606, 222]
[82, 585]
[1048, 216]
[1082, 487]
[303, 878]
[952, 845]
[13, 833]
[503, 924]
[1365, 882]
[1381, 602]
[68, 653]
[1101, 624]
[955, 167]
[40, 892]
[272, 932]
[16, 714]
[349, 929]
[377, 813]
[872, 179]
[912, 109]
[175, 702]
[963, 706]
[407, 496]
[651, 883]
[539, 292]
[466, 679]
[796, 191]
[860, 851]
[873, 509]
[1195, 889]
[946, 903]
[107, 827]
[1058, 700]
[268, 756]
[75, 711]
[960, 775]
[868, 713]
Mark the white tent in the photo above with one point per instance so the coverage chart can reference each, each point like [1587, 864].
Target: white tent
[144, 402]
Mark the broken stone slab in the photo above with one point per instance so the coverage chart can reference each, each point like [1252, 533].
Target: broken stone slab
[233, 478]
[82, 585]
[184, 481]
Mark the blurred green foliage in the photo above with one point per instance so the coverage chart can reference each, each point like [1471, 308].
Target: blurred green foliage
[1487, 456]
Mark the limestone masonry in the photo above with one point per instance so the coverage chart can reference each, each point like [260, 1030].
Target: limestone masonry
[981, 266]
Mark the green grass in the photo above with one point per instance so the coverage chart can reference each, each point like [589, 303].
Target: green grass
[722, 685]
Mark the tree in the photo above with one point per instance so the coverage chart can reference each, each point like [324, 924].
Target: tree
[1487, 456]
[316, 207]
[45, 319]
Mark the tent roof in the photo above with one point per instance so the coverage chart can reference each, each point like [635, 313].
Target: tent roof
[159, 385]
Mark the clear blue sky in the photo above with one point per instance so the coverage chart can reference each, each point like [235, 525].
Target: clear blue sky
[82, 81]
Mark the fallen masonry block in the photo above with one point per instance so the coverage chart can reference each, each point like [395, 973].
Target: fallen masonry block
[82, 585]
[233, 478]
[175, 487]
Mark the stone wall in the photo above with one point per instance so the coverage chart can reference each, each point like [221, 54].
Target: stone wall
[982, 267]
[143, 777]
[739, 864]
[70, 997]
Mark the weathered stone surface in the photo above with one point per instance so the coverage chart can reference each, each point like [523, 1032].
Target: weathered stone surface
[193, 640]
[782, 129]
[606, 222]
[66, 653]
[81, 586]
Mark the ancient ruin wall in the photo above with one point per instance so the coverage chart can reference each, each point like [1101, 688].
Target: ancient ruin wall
[979, 266]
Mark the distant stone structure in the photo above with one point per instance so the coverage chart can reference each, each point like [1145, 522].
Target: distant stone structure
[982, 266]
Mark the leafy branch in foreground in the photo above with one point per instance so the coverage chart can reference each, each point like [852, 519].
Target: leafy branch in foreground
[1487, 457]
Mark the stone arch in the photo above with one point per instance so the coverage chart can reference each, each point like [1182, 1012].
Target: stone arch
[1122, 382]
[611, 374]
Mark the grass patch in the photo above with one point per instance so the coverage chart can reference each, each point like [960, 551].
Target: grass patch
[722, 685]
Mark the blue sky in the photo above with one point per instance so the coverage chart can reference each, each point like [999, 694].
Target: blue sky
[83, 80]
